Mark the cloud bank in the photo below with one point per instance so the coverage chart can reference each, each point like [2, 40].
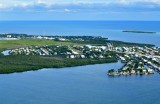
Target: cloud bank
[80, 9]
[81, 6]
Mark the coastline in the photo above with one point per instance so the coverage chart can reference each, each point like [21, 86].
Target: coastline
[17, 64]
[31, 52]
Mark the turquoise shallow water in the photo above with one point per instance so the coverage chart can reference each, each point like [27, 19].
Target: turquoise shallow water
[78, 85]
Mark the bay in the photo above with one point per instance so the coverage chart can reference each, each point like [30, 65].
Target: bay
[84, 84]
[78, 85]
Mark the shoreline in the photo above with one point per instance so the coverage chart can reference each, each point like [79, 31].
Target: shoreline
[37, 52]
[44, 62]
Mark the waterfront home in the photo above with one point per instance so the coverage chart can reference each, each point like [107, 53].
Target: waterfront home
[144, 71]
[138, 72]
[133, 72]
[125, 73]
[125, 68]
[113, 73]
[150, 71]
[122, 59]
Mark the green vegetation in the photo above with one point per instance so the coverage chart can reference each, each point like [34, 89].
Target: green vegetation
[10, 44]
[128, 44]
[68, 46]
[21, 63]
[104, 41]
[136, 31]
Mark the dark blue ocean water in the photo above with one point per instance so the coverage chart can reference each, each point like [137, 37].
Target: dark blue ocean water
[111, 29]
[84, 84]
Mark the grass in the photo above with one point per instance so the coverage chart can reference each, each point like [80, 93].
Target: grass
[11, 64]
[10, 44]
[21, 63]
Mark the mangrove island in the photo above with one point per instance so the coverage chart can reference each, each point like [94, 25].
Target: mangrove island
[136, 31]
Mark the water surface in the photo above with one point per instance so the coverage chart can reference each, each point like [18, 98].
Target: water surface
[111, 29]
[78, 85]
[85, 84]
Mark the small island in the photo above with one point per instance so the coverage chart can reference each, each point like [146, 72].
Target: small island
[136, 31]
[22, 52]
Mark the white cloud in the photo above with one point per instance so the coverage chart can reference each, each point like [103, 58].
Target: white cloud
[24, 4]
[2, 6]
[67, 10]
[41, 1]
[83, 5]
[61, 2]
[45, 2]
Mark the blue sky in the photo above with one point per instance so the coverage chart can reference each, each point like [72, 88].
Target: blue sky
[80, 10]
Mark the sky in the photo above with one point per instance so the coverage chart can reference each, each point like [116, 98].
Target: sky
[147, 10]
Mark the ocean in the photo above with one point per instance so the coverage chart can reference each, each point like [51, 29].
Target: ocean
[110, 29]
[83, 84]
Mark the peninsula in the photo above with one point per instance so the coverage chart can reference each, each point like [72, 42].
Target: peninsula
[22, 52]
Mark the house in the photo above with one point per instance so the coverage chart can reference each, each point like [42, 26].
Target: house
[144, 71]
[133, 72]
[72, 56]
[82, 56]
[9, 36]
[74, 52]
[88, 46]
[62, 39]
[39, 37]
[103, 47]
[150, 71]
